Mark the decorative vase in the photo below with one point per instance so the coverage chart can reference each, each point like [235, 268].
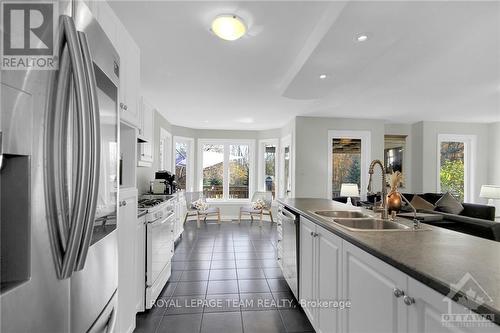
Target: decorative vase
[394, 201]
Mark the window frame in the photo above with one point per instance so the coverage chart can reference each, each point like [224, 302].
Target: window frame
[225, 190]
[366, 150]
[470, 146]
[261, 186]
[190, 159]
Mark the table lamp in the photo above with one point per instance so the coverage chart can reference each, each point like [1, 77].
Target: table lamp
[492, 193]
[349, 190]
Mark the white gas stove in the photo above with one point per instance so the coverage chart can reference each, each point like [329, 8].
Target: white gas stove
[160, 221]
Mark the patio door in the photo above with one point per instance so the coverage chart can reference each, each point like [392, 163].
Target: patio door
[285, 186]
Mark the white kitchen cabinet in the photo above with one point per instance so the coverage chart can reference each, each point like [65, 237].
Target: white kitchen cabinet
[329, 268]
[429, 313]
[130, 61]
[129, 78]
[307, 267]
[127, 270]
[320, 268]
[146, 123]
[369, 284]
[140, 260]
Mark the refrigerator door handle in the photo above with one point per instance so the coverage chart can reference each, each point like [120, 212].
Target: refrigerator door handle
[95, 151]
[67, 228]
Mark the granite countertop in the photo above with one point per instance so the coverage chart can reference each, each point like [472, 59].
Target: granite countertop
[436, 257]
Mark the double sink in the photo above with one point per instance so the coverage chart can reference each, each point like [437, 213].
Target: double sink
[358, 221]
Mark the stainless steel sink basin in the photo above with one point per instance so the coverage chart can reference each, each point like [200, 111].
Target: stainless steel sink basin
[370, 224]
[341, 214]
[358, 221]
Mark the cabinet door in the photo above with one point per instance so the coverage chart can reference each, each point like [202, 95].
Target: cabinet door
[127, 221]
[369, 284]
[429, 313]
[129, 78]
[307, 264]
[146, 115]
[328, 277]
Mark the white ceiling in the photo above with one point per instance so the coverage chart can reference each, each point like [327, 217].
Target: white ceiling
[422, 61]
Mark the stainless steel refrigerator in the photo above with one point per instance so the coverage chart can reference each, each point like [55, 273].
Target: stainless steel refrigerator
[59, 185]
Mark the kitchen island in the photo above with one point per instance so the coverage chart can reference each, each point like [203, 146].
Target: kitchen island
[396, 280]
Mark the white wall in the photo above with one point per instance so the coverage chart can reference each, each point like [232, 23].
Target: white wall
[494, 154]
[424, 136]
[311, 147]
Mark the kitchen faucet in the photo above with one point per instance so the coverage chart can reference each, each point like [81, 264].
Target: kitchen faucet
[384, 186]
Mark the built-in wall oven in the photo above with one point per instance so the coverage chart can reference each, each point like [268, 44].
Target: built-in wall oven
[159, 249]
[288, 223]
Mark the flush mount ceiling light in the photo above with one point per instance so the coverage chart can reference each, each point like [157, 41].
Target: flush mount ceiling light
[228, 27]
[323, 76]
[361, 38]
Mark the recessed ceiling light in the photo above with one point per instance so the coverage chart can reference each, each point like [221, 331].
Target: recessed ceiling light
[323, 76]
[362, 38]
[228, 27]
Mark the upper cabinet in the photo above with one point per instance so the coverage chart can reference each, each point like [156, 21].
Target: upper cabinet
[146, 121]
[130, 61]
[130, 78]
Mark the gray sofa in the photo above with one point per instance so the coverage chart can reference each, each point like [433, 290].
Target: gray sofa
[477, 220]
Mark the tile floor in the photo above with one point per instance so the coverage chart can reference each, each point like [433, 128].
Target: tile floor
[225, 278]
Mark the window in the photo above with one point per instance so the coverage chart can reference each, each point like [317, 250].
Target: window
[213, 171]
[346, 162]
[455, 164]
[226, 169]
[268, 165]
[349, 157]
[239, 171]
[184, 163]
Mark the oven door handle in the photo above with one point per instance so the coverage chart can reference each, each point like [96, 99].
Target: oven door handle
[161, 221]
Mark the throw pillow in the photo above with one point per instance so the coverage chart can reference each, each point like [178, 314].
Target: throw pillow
[449, 204]
[200, 204]
[259, 204]
[420, 203]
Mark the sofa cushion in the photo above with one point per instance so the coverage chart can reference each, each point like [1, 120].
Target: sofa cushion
[469, 225]
[420, 203]
[479, 211]
[449, 204]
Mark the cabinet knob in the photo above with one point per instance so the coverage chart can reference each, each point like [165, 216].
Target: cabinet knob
[122, 203]
[398, 292]
[312, 233]
[408, 300]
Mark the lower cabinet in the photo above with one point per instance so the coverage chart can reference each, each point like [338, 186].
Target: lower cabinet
[369, 284]
[127, 270]
[382, 298]
[432, 312]
[320, 267]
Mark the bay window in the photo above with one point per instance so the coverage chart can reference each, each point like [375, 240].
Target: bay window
[226, 169]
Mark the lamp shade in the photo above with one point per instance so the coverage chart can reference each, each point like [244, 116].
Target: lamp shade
[349, 190]
[490, 192]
